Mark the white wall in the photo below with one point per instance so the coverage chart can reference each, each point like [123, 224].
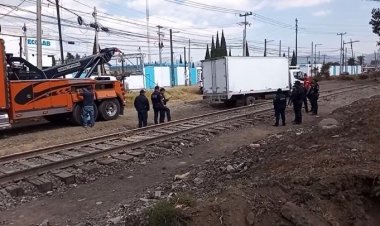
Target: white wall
[181, 76]
[162, 76]
[135, 82]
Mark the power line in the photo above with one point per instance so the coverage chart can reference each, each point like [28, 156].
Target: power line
[15, 8]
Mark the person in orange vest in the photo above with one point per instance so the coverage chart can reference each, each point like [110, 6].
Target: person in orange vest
[306, 86]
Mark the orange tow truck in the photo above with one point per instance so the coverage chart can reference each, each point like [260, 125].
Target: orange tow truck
[27, 91]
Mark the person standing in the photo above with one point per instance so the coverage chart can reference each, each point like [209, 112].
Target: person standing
[156, 102]
[279, 104]
[306, 85]
[314, 96]
[297, 98]
[88, 113]
[142, 108]
[164, 110]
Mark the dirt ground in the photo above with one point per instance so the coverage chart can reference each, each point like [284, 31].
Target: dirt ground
[325, 177]
[297, 169]
[186, 102]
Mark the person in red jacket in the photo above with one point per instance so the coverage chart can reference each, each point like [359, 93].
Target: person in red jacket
[306, 86]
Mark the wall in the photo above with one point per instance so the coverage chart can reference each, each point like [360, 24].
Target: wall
[352, 70]
[162, 76]
[135, 82]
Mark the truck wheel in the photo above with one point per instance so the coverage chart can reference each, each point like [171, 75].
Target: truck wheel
[109, 109]
[76, 115]
[249, 100]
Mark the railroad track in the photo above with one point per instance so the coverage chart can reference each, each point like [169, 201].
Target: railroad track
[122, 145]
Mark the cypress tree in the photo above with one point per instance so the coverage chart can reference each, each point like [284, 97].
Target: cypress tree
[207, 53]
[293, 62]
[180, 59]
[284, 55]
[229, 54]
[223, 45]
[213, 48]
[217, 48]
[246, 49]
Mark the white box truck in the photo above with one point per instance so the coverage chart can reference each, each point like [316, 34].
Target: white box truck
[244, 79]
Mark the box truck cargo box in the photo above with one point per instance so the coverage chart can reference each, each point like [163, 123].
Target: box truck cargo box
[245, 79]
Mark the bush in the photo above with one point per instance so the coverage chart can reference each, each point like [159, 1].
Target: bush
[363, 76]
[164, 213]
[346, 78]
[170, 213]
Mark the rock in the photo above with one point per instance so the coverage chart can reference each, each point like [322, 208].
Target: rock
[157, 194]
[144, 200]
[335, 136]
[202, 173]
[254, 145]
[115, 220]
[99, 203]
[45, 223]
[250, 219]
[328, 123]
[181, 176]
[301, 217]
[230, 168]
[198, 180]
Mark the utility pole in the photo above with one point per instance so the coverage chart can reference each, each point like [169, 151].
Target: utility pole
[279, 50]
[189, 62]
[171, 59]
[59, 30]
[352, 49]
[296, 41]
[341, 50]
[312, 58]
[147, 29]
[319, 57]
[95, 15]
[185, 69]
[160, 45]
[245, 31]
[315, 52]
[20, 45]
[39, 34]
[265, 47]
[288, 52]
[324, 59]
[25, 43]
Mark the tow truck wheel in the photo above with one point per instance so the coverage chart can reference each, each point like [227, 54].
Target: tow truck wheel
[76, 117]
[109, 109]
[249, 100]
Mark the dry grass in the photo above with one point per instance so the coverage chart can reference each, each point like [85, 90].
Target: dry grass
[179, 93]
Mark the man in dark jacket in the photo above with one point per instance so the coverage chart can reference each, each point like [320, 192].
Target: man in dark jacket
[314, 95]
[88, 112]
[164, 110]
[279, 104]
[297, 98]
[142, 108]
[156, 102]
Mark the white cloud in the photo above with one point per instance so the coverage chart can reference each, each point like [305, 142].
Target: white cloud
[322, 13]
[285, 4]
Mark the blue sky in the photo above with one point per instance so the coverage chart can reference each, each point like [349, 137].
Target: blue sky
[319, 21]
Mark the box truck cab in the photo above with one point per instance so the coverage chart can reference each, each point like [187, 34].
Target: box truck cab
[234, 80]
[296, 74]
